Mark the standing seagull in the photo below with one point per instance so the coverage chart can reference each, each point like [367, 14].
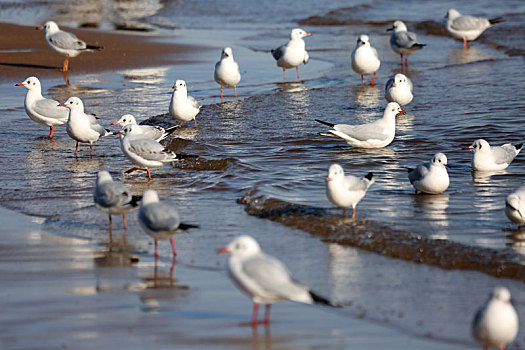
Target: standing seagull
[65, 43]
[157, 133]
[377, 134]
[82, 127]
[430, 177]
[293, 53]
[467, 28]
[399, 89]
[402, 41]
[42, 110]
[495, 325]
[160, 220]
[183, 107]
[515, 206]
[144, 151]
[365, 60]
[488, 158]
[113, 197]
[264, 278]
[345, 191]
[227, 72]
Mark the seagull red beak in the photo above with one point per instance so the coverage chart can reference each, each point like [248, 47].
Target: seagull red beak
[307, 34]
[62, 104]
[115, 123]
[448, 166]
[118, 133]
[467, 148]
[223, 250]
[39, 28]
[19, 84]
[402, 112]
[328, 178]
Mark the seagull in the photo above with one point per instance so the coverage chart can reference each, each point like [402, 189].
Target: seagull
[183, 107]
[399, 89]
[377, 134]
[144, 151]
[293, 53]
[365, 60]
[345, 191]
[160, 220]
[227, 72]
[65, 43]
[264, 278]
[515, 206]
[430, 177]
[80, 126]
[488, 158]
[402, 41]
[495, 325]
[113, 197]
[42, 110]
[468, 28]
[155, 132]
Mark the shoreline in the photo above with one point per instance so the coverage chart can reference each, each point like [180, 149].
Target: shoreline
[24, 52]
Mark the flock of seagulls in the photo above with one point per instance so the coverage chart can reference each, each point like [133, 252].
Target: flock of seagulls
[262, 277]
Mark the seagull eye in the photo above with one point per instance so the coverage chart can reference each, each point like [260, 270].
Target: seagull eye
[70, 102]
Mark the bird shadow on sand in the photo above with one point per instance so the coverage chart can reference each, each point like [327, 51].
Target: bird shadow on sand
[26, 65]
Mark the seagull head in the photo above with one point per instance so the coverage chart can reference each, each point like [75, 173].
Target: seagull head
[242, 246]
[30, 83]
[440, 160]
[103, 176]
[335, 172]
[227, 52]
[49, 27]
[73, 103]
[501, 294]
[180, 85]
[478, 146]
[452, 14]
[398, 26]
[298, 33]
[399, 79]
[393, 108]
[149, 196]
[125, 120]
[363, 40]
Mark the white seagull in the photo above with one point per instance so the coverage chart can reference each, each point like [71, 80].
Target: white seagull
[488, 158]
[227, 72]
[183, 107]
[144, 151]
[42, 110]
[495, 325]
[65, 43]
[113, 197]
[430, 177]
[157, 133]
[402, 41]
[377, 134]
[365, 60]
[82, 127]
[293, 53]
[515, 206]
[345, 191]
[399, 89]
[467, 28]
[160, 220]
[264, 278]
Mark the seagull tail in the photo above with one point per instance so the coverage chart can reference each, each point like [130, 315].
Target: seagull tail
[135, 201]
[409, 170]
[171, 129]
[94, 47]
[369, 176]
[495, 20]
[184, 226]
[322, 300]
[418, 46]
[519, 146]
[186, 156]
[325, 123]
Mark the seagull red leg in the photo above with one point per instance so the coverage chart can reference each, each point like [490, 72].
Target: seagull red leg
[267, 314]
[344, 211]
[284, 74]
[353, 214]
[235, 89]
[373, 77]
[76, 149]
[51, 131]
[254, 315]
[156, 252]
[173, 248]
[221, 93]
[363, 79]
[297, 70]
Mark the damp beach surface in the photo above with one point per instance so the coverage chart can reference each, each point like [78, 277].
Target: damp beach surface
[410, 271]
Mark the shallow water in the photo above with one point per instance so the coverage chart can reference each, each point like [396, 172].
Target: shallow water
[262, 152]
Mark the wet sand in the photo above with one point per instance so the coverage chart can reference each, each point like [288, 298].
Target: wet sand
[24, 52]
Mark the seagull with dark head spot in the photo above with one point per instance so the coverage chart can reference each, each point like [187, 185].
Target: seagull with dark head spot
[487, 158]
[466, 27]
[431, 177]
[293, 53]
[402, 41]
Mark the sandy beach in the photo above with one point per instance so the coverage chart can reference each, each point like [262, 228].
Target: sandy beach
[409, 272]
